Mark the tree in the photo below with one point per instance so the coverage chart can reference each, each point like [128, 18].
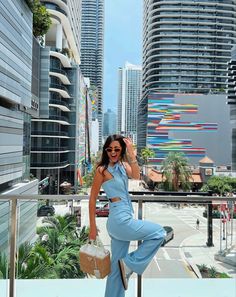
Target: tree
[3, 266]
[220, 184]
[41, 19]
[176, 172]
[34, 262]
[62, 241]
[147, 153]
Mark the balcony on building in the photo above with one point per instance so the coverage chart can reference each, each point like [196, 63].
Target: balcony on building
[61, 29]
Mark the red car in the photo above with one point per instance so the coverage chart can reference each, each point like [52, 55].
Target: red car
[103, 211]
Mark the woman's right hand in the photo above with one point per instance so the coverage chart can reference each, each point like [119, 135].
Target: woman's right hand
[93, 233]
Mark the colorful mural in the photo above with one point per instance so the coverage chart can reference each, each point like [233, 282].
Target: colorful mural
[164, 115]
[81, 136]
[93, 94]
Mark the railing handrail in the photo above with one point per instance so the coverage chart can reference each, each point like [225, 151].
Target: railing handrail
[135, 198]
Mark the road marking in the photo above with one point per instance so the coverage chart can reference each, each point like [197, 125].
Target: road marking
[155, 259]
[166, 255]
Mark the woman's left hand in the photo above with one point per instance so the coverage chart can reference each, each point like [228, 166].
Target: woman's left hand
[129, 146]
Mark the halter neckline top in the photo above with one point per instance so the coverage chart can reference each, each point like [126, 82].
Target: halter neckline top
[117, 186]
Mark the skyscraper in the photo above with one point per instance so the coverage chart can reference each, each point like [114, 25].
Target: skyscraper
[16, 100]
[17, 103]
[129, 95]
[187, 45]
[109, 123]
[92, 32]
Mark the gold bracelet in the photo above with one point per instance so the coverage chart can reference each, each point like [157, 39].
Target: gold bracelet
[133, 161]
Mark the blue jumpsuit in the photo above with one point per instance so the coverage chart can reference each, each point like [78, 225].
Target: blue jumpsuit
[123, 228]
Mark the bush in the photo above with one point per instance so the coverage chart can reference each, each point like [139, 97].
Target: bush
[211, 272]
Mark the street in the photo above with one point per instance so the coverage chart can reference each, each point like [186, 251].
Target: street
[170, 260]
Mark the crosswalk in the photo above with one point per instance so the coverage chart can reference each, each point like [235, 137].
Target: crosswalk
[190, 218]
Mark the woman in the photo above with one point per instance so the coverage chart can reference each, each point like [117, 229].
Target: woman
[112, 174]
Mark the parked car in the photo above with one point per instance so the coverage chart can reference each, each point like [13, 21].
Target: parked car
[169, 234]
[103, 210]
[100, 204]
[216, 214]
[46, 210]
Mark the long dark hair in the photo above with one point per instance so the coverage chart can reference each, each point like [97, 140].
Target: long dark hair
[104, 158]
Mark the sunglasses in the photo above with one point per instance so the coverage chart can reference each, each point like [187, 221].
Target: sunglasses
[109, 150]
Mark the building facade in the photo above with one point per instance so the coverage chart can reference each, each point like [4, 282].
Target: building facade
[129, 95]
[231, 100]
[187, 45]
[16, 105]
[92, 35]
[191, 124]
[186, 48]
[58, 140]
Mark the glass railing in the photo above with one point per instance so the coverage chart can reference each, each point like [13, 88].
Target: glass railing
[4, 245]
[45, 164]
[59, 102]
[55, 7]
[49, 148]
[48, 132]
[58, 117]
[40, 236]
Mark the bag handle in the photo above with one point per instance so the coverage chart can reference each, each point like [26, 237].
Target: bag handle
[97, 242]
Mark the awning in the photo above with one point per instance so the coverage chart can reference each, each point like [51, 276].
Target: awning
[196, 178]
[156, 177]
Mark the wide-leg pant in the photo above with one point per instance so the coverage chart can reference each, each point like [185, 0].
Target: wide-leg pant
[122, 229]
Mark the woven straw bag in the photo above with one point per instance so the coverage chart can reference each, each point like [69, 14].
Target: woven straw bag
[95, 259]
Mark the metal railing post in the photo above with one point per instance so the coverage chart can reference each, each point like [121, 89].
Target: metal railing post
[13, 248]
[140, 217]
[209, 225]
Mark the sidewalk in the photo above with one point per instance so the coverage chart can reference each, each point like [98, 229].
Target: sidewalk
[196, 252]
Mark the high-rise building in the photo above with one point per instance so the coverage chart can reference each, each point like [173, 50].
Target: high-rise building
[92, 32]
[129, 95]
[186, 48]
[187, 45]
[109, 123]
[59, 144]
[16, 106]
[16, 100]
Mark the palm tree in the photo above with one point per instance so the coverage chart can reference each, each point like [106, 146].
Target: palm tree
[34, 262]
[176, 172]
[62, 241]
[146, 153]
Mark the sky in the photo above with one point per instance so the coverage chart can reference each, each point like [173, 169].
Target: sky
[122, 42]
